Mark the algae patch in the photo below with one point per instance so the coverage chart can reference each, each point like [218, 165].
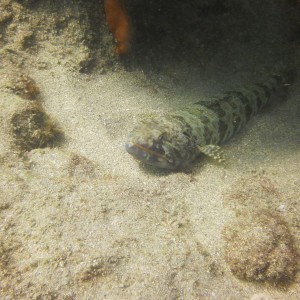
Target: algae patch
[32, 129]
[100, 267]
[260, 247]
[19, 83]
[25, 125]
[24, 120]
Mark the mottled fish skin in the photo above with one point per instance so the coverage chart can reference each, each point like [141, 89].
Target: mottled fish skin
[175, 140]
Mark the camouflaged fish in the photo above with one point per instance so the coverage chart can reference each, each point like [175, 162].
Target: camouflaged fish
[177, 139]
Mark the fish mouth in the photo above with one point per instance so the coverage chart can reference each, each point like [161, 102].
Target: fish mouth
[143, 151]
[147, 155]
[137, 151]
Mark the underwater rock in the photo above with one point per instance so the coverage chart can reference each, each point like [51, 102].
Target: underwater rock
[260, 247]
[24, 123]
[25, 38]
[72, 34]
[19, 83]
[26, 126]
[32, 128]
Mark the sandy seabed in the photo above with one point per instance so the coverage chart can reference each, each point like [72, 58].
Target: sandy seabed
[84, 220]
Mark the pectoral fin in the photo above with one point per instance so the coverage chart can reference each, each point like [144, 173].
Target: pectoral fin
[212, 151]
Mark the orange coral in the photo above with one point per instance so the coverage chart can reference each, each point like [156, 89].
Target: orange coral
[119, 24]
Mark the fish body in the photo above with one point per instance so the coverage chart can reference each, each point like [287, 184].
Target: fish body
[177, 139]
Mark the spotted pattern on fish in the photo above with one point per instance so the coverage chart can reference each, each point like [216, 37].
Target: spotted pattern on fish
[175, 140]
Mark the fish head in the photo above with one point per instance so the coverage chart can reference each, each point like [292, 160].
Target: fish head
[160, 142]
